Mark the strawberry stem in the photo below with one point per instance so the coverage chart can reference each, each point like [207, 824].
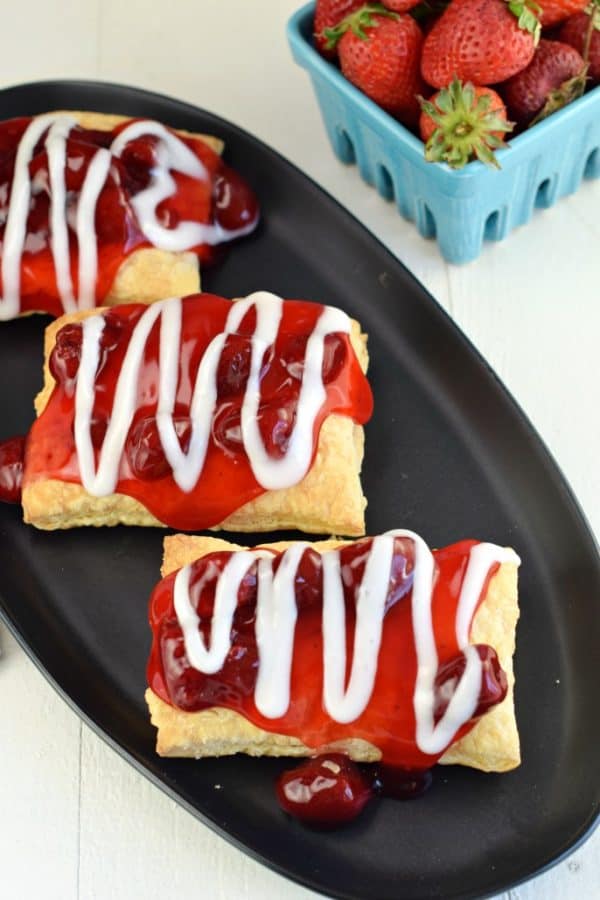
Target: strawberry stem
[467, 127]
[356, 22]
[527, 13]
[593, 11]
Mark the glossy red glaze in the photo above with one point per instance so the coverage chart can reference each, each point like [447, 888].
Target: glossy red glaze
[324, 792]
[227, 481]
[11, 469]
[224, 198]
[401, 784]
[388, 722]
[64, 359]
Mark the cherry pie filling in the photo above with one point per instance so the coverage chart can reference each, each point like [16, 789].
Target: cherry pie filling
[227, 480]
[222, 198]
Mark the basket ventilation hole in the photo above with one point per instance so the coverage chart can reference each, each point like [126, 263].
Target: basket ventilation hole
[490, 231]
[592, 164]
[345, 147]
[426, 222]
[542, 198]
[385, 185]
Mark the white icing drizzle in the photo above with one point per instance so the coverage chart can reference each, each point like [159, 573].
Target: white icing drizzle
[187, 467]
[16, 222]
[276, 615]
[211, 660]
[173, 155]
[275, 624]
[94, 181]
[275, 474]
[104, 481]
[432, 738]
[346, 704]
[56, 148]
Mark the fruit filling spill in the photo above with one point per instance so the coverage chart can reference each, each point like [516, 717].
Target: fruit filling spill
[12, 453]
[77, 202]
[324, 792]
[195, 406]
[330, 790]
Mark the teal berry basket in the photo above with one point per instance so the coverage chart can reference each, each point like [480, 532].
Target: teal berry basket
[459, 208]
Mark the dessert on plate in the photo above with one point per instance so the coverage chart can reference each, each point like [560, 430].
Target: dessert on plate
[100, 209]
[201, 413]
[380, 649]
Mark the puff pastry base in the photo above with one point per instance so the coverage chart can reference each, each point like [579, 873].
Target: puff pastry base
[147, 274]
[492, 745]
[328, 499]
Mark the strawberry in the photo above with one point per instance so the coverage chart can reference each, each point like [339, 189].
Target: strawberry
[327, 14]
[400, 6]
[555, 11]
[462, 122]
[575, 31]
[555, 76]
[482, 41]
[379, 53]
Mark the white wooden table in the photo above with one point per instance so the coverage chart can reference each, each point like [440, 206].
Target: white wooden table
[77, 821]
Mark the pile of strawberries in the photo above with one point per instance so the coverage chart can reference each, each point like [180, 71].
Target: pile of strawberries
[463, 73]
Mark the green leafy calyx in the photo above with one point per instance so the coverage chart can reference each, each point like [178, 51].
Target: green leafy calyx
[563, 95]
[356, 22]
[466, 126]
[527, 13]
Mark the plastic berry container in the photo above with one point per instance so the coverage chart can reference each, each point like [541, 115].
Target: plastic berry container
[461, 209]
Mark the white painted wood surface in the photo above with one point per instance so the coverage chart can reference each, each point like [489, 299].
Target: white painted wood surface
[76, 821]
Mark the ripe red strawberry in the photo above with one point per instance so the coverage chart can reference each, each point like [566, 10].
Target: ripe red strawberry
[574, 32]
[327, 14]
[481, 41]
[400, 6]
[555, 76]
[380, 53]
[556, 11]
[461, 123]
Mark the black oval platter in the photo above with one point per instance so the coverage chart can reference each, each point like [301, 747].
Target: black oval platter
[449, 454]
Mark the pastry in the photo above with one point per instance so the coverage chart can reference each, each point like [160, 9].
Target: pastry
[101, 209]
[201, 413]
[430, 677]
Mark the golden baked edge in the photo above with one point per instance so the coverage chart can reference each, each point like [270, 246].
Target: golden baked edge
[147, 274]
[328, 499]
[491, 746]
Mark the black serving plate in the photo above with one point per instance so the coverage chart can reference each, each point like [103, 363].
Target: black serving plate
[449, 454]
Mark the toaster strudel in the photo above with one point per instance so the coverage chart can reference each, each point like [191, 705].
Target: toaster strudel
[201, 413]
[101, 209]
[380, 648]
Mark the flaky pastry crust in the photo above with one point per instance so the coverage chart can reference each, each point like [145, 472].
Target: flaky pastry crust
[328, 499]
[492, 745]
